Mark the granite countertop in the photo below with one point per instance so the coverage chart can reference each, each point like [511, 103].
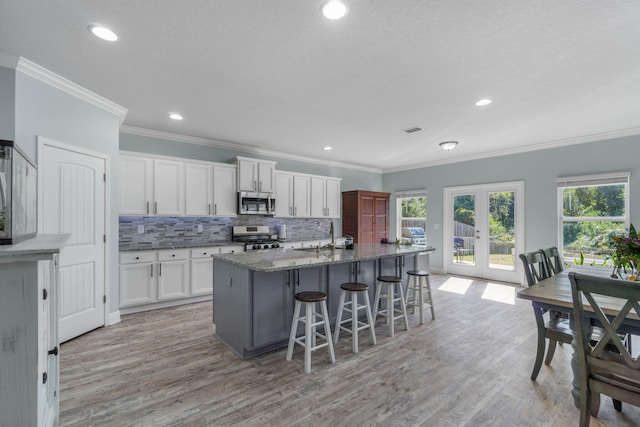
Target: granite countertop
[168, 244]
[126, 247]
[285, 259]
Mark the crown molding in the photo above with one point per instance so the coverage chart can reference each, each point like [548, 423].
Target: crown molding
[168, 136]
[542, 146]
[42, 74]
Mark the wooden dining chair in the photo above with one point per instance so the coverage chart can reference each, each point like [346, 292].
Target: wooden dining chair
[556, 329]
[606, 365]
[553, 259]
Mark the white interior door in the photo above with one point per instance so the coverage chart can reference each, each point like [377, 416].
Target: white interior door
[72, 201]
[484, 230]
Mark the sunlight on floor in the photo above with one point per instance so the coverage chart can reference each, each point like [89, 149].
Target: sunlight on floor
[500, 293]
[456, 285]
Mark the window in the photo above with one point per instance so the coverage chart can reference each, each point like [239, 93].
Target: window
[592, 209]
[411, 211]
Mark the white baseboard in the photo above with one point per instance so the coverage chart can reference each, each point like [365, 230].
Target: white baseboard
[114, 318]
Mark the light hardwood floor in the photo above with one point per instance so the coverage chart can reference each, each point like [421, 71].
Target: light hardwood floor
[469, 367]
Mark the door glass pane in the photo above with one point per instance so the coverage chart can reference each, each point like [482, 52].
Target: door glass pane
[464, 225]
[502, 230]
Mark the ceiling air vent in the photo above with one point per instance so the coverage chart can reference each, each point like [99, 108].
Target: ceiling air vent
[412, 130]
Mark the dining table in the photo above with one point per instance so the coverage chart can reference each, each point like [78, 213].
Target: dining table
[554, 294]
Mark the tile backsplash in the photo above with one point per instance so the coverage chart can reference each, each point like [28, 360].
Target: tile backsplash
[171, 231]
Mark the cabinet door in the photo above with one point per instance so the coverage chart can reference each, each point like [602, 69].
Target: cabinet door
[225, 196]
[332, 196]
[284, 195]
[367, 219]
[247, 175]
[381, 219]
[266, 177]
[202, 276]
[173, 279]
[272, 307]
[318, 197]
[168, 188]
[301, 196]
[198, 189]
[136, 185]
[137, 283]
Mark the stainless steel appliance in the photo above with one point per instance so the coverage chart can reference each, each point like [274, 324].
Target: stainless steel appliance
[250, 203]
[416, 234]
[254, 237]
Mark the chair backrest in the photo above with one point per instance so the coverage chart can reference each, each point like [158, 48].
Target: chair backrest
[535, 267]
[553, 259]
[606, 366]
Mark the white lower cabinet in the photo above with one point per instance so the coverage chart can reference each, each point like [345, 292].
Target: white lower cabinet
[159, 278]
[173, 274]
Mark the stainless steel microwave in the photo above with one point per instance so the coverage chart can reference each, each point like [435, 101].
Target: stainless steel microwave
[250, 203]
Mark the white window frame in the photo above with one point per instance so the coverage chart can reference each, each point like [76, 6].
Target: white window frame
[406, 194]
[590, 181]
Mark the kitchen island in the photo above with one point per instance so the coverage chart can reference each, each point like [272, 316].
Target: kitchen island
[253, 292]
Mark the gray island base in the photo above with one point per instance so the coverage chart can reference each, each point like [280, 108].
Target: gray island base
[253, 292]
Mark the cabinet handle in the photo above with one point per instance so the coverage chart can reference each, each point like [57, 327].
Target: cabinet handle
[254, 185]
[156, 207]
[151, 270]
[137, 257]
[215, 209]
[209, 211]
[54, 351]
[160, 269]
[295, 211]
[44, 378]
[45, 294]
[296, 274]
[147, 208]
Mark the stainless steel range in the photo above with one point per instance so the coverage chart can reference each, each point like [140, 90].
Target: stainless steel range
[254, 237]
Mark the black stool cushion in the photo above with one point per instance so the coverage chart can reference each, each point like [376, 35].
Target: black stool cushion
[311, 296]
[389, 279]
[418, 273]
[354, 287]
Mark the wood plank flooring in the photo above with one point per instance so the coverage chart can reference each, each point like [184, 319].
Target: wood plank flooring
[469, 367]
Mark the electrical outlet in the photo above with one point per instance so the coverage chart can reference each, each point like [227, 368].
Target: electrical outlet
[199, 228]
[140, 229]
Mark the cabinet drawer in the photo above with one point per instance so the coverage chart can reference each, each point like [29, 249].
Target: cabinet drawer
[204, 252]
[231, 249]
[136, 257]
[173, 254]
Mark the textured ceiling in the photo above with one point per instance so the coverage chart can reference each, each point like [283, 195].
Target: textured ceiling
[277, 76]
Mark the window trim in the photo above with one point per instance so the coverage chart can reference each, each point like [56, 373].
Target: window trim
[612, 178]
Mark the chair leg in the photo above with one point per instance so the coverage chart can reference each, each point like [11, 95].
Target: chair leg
[550, 352]
[294, 327]
[327, 330]
[541, 342]
[354, 322]
[339, 316]
[594, 406]
[309, 335]
[372, 330]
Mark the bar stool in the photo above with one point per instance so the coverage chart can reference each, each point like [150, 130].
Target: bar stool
[308, 341]
[353, 307]
[418, 282]
[394, 287]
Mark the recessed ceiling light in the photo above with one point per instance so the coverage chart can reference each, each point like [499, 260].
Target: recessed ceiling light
[175, 116]
[103, 32]
[448, 145]
[334, 9]
[327, 148]
[483, 102]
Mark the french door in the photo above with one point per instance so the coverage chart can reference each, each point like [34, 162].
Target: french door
[484, 230]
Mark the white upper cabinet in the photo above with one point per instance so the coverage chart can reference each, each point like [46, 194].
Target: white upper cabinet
[136, 185]
[168, 187]
[198, 189]
[301, 196]
[332, 197]
[284, 194]
[224, 191]
[151, 187]
[255, 175]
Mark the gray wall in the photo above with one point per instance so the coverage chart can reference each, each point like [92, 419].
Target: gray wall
[7, 103]
[41, 109]
[538, 169]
